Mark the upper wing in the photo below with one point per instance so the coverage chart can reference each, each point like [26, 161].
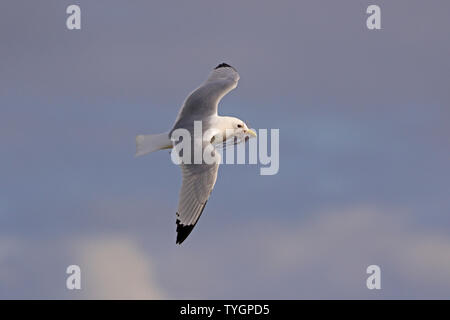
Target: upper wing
[203, 101]
[198, 182]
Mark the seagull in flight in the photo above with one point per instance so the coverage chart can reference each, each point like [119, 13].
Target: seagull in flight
[199, 178]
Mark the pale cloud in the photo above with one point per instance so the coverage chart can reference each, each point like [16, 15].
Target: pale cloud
[116, 268]
[8, 248]
[341, 243]
[112, 267]
[322, 257]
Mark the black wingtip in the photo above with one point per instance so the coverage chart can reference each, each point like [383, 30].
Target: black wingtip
[184, 230]
[223, 65]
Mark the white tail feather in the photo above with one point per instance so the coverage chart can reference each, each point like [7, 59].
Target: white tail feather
[146, 143]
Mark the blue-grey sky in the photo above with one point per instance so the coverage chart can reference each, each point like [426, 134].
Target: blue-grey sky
[364, 149]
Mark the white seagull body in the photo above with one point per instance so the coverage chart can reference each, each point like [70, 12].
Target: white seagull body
[199, 179]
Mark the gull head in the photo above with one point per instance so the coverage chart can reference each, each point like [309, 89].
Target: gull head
[233, 127]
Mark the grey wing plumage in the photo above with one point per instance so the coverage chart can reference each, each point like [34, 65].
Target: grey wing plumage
[199, 179]
[198, 182]
[203, 101]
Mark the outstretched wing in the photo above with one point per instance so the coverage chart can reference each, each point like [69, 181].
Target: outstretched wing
[203, 101]
[198, 182]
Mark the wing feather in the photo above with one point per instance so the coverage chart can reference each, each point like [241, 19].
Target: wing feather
[198, 182]
[199, 179]
[203, 102]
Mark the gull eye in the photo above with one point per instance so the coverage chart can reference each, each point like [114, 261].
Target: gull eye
[239, 125]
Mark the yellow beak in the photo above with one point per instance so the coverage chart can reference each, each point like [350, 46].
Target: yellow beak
[251, 133]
